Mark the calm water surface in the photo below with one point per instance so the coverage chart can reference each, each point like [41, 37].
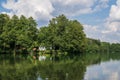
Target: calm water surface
[96, 67]
[88, 67]
[109, 70]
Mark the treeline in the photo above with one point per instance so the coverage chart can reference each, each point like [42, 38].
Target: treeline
[61, 35]
[96, 46]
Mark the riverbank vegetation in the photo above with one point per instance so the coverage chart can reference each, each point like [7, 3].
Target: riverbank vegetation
[19, 35]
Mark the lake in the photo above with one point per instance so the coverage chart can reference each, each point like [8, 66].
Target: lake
[109, 70]
[88, 67]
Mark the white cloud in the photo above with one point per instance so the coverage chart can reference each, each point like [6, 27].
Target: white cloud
[46, 9]
[84, 3]
[78, 7]
[107, 33]
[43, 10]
[110, 30]
[114, 15]
[115, 11]
[93, 31]
[112, 25]
[38, 9]
[101, 4]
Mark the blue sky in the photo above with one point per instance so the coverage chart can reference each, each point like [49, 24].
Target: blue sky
[100, 18]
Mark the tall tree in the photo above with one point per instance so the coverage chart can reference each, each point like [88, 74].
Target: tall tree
[9, 34]
[4, 19]
[17, 31]
[65, 35]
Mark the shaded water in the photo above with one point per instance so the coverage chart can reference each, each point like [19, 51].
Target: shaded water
[87, 67]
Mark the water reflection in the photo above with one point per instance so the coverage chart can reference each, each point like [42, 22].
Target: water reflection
[88, 67]
[109, 70]
[62, 71]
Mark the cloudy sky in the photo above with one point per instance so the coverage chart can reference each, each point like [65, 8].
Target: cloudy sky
[100, 18]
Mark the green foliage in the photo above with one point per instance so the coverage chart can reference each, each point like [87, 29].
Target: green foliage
[96, 46]
[115, 48]
[63, 34]
[16, 32]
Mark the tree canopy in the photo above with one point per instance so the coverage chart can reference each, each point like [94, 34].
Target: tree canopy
[16, 31]
[63, 34]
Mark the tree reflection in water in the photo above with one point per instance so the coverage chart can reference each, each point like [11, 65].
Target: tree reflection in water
[62, 71]
[48, 70]
[14, 69]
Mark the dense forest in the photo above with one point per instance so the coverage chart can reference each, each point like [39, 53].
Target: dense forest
[61, 35]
